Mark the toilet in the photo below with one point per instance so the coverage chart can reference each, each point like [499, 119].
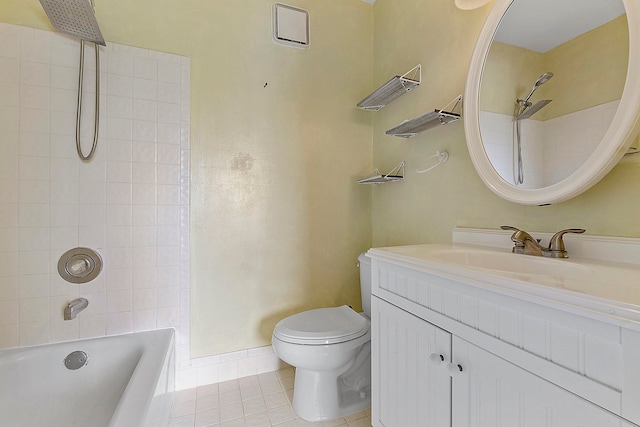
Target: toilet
[331, 351]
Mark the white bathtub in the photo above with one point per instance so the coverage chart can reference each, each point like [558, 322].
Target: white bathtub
[127, 382]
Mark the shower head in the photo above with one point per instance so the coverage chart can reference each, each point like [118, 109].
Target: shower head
[74, 17]
[541, 80]
[530, 111]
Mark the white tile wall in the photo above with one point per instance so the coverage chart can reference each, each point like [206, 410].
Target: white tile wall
[571, 139]
[130, 203]
[568, 141]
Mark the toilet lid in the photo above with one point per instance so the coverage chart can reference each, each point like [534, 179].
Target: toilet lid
[322, 326]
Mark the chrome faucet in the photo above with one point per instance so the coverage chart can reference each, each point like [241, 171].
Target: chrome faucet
[74, 307]
[524, 243]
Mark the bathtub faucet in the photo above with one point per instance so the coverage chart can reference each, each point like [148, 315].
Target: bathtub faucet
[74, 307]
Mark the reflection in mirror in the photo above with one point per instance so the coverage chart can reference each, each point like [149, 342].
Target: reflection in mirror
[551, 85]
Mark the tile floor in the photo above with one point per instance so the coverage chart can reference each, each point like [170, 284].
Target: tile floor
[258, 401]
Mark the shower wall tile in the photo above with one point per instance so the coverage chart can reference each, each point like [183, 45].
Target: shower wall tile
[92, 326]
[63, 331]
[9, 46]
[572, 138]
[64, 78]
[169, 133]
[145, 68]
[169, 69]
[120, 63]
[144, 320]
[35, 50]
[64, 54]
[33, 120]
[9, 69]
[169, 92]
[9, 241]
[145, 89]
[120, 106]
[34, 333]
[34, 73]
[125, 202]
[9, 190]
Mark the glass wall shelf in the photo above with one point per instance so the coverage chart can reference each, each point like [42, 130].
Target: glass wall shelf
[426, 121]
[392, 89]
[396, 174]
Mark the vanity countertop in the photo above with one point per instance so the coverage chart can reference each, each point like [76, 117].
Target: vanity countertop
[603, 290]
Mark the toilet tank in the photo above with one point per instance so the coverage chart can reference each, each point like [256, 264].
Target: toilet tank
[364, 262]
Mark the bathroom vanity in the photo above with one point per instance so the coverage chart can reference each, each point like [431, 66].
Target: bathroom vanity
[466, 335]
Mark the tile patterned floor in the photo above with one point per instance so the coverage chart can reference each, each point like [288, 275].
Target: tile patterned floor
[258, 401]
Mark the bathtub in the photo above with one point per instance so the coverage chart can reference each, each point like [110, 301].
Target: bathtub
[128, 381]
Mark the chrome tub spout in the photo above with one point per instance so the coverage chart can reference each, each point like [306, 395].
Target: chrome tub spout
[74, 307]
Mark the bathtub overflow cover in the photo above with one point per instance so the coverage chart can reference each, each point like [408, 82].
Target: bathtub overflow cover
[76, 360]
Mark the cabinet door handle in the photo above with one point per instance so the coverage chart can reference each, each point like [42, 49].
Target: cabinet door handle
[436, 358]
[454, 369]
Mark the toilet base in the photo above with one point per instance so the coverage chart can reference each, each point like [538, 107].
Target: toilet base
[322, 395]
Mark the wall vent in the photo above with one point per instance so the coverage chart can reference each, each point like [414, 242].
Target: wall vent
[290, 26]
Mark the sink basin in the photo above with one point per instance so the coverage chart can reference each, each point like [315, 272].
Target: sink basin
[510, 262]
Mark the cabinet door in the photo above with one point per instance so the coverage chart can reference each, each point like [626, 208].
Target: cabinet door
[411, 385]
[491, 392]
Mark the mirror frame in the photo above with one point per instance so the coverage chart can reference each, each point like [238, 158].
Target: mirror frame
[623, 130]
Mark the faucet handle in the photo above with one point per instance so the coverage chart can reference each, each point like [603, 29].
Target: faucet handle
[518, 236]
[557, 243]
[515, 237]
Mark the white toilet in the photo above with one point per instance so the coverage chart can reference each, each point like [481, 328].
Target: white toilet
[331, 351]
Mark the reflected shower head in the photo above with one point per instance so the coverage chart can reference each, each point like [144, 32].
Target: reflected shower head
[541, 80]
[74, 17]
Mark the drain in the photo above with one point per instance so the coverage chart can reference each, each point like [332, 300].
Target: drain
[76, 360]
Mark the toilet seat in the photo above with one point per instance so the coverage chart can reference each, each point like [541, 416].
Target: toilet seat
[322, 326]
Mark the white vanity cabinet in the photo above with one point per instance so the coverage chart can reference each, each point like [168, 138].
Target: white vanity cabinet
[412, 389]
[471, 387]
[491, 392]
[507, 360]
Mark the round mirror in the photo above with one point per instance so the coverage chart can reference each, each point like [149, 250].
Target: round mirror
[552, 100]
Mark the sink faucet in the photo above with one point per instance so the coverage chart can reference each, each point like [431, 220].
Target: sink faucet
[526, 244]
[74, 307]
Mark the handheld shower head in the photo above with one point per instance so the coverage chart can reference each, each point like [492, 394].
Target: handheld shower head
[524, 103]
[543, 79]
